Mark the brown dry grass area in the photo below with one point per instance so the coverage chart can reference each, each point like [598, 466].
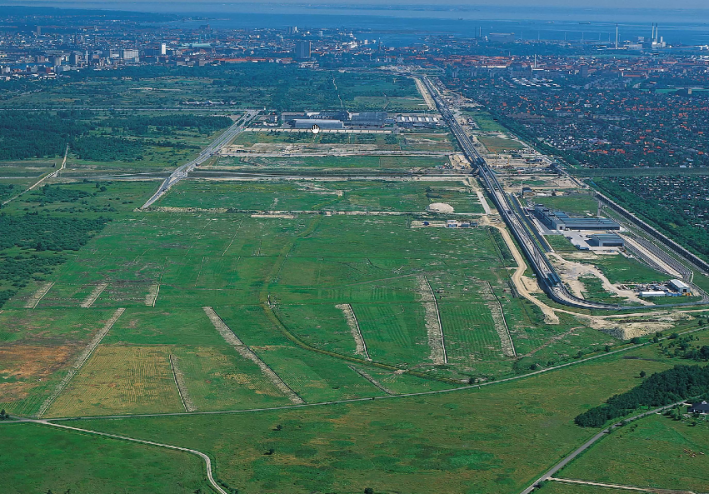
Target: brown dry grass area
[121, 379]
[29, 364]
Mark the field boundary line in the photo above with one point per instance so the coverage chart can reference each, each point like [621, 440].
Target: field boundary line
[38, 295]
[468, 387]
[207, 460]
[621, 487]
[498, 318]
[434, 328]
[351, 317]
[80, 361]
[372, 380]
[94, 295]
[179, 378]
[574, 454]
[246, 352]
[152, 295]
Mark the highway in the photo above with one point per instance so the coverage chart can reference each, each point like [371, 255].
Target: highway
[547, 276]
[214, 148]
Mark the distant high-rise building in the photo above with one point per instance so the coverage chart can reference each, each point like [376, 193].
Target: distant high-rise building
[302, 49]
[163, 49]
[293, 30]
[39, 30]
[131, 55]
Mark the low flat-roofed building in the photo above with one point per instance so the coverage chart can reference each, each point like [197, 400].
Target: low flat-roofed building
[307, 123]
[559, 220]
[605, 240]
[652, 293]
[679, 286]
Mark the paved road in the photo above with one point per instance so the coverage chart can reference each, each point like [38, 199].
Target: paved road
[211, 150]
[590, 443]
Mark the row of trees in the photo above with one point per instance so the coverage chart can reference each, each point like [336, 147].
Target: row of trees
[679, 383]
[43, 134]
[166, 124]
[37, 234]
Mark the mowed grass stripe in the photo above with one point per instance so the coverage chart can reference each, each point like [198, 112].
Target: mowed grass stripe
[396, 333]
[470, 332]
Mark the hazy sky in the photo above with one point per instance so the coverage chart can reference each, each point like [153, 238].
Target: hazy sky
[194, 5]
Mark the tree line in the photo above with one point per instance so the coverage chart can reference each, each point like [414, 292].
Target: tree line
[663, 388]
[45, 134]
[42, 238]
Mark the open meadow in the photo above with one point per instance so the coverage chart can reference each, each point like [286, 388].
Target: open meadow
[324, 307]
[291, 308]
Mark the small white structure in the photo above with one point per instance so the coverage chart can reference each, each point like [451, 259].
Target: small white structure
[652, 293]
[439, 207]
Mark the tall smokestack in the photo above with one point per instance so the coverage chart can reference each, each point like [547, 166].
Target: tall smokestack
[616, 36]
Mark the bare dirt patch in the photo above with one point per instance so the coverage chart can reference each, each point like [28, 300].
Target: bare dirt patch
[433, 321]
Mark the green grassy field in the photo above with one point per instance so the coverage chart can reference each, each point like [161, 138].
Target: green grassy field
[243, 85]
[330, 196]
[560, 243]
[485, 121]
[655, 452]
[495, 144]
[297, 297]
[573, 204]
[47, 459]
[621, 269]
[332, 163]
[473, 441]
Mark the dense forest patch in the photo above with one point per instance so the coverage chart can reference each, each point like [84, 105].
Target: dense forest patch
[679, 383]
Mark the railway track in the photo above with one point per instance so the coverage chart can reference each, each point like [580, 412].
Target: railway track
[547, 277]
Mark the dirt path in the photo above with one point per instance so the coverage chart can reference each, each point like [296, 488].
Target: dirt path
[550, 316]
[621, 487]
[39, 295]
[80, 361]
[360, 345]
[432, 317]
[552, 340]
[181, 385]
[95, 293]
[248, 354]
[41, 180]
[556, 468]
[498, 319]
[152, 295]
[572, 271]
